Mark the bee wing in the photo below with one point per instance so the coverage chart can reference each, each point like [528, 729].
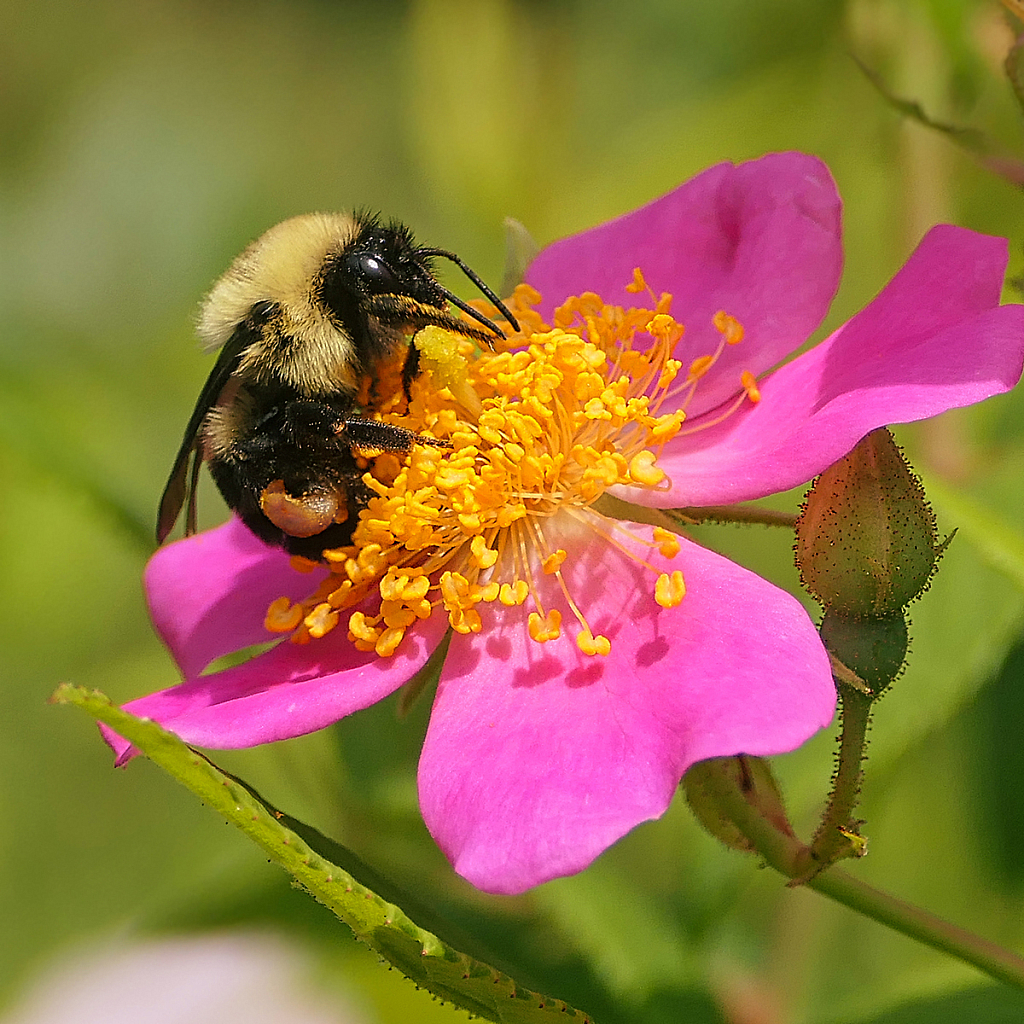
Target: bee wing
[181, 485]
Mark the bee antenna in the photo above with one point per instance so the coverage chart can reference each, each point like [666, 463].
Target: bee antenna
[475, 278]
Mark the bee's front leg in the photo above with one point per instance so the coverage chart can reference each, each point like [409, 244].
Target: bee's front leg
[374, 436]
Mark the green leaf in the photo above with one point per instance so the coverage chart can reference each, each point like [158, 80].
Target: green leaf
[999, 718]
[419, 954]
[978, 1006]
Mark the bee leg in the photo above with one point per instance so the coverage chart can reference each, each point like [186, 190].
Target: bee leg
[373, 435]
[410, 371]
[305, 515]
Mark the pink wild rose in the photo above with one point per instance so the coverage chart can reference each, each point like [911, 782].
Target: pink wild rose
[543, 748]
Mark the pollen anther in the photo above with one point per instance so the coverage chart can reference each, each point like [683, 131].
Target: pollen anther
[533, 436]
[283, 616]
[547, 628]
[642, 469]
[513, 594]
[553, 562]
[729, 327]
[638, 284]
[669, 591]
[590, 644]
[321, 620]
[668, 542]
[700, 366]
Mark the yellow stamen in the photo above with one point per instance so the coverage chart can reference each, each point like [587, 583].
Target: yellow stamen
[360, 629]
[668, 543]
[590, 644]
[750, 386]
[729, 327]
[638, 284]
[388, 642]
[483, 557]
[544, 629]
[321, 620]
[669, 591]
[665, 327]
[553, 562]
[515, 593]
[283, 616]
[700, 366]
[536, 431]
[642, 469]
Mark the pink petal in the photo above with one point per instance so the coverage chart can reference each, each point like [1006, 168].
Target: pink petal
[760, 240]
[934, 339]
[208, 594]
[288, 691]
[537, 757]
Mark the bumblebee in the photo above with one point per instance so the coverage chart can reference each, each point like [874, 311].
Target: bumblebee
[304, 319]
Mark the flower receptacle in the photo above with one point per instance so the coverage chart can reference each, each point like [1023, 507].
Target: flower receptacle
[872, 647]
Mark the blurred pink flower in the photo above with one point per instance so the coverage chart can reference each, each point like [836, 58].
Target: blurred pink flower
[211, 978]
[539, 756]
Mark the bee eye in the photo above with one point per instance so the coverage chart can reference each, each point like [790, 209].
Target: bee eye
[374, 273]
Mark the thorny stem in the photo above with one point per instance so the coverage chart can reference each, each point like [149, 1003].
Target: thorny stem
[616, 508]
[808, 865]
[836, 836]
[733, 514]
[789, 856]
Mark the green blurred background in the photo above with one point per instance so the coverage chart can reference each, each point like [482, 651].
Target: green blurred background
[144, 142]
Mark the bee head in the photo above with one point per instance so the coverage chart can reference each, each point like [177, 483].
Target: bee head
[381, 282]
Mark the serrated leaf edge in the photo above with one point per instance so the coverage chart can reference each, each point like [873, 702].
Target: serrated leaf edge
[432, 964]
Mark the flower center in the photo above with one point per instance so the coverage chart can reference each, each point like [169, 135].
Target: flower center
[535, 431]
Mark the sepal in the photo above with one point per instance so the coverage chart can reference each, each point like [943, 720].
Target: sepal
[711, 785]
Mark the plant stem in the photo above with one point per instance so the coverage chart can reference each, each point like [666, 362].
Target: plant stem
[832, 839]
[734, 514]
[789, 856]
[616, 508]
[918, 924]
